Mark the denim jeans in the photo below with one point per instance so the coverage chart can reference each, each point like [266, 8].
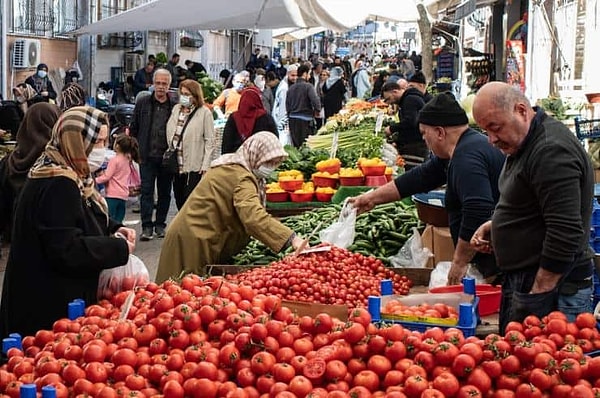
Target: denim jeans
[579, 302]
[152, 173]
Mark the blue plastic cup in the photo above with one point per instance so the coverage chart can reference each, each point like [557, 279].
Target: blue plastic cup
[465, 314]
[387, 288]
[73, 310]
[48, 392]
[469, 285]
[19, 339]
[8, 343]
[374, 307]
[28, 391]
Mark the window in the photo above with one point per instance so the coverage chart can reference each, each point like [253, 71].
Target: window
[108, 8]
[43, 17]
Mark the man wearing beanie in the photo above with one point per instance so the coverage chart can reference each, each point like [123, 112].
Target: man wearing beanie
[419, 82]
[42, 85]
[405, 134]
[464, 161]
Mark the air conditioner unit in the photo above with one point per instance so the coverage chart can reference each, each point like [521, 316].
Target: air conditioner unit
[26, 53]
[133, 62]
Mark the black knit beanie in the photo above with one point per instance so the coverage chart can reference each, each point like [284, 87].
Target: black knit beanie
[443, 110]
[418, 77]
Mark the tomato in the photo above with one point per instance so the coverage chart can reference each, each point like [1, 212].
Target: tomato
[245, 377]
[445, 352]
[447, 383]
[433, 393]
[300, 386]
[480, 379]
[508, 382]
[96, 372]
[262, 362]
[570, 371]
[462, 365]
[503, 393]
[541, 379]
[527, 391]
[468, 391]
[510, 364]
[314, 368]
[379, 364]
[283, 372]
[414, 386]
[582, 391]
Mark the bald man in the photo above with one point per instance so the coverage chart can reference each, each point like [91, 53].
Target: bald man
[540, 228]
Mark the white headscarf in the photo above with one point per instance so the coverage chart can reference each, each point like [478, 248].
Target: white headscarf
[334, 75]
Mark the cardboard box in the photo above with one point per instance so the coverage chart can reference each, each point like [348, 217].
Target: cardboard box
[301, 308]
[596, 175]
[439, 241]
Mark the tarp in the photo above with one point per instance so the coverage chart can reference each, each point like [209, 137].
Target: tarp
[336, 15]
[295, 33]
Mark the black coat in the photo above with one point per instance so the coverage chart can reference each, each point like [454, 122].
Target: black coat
[232, 140]
[59, 246]
[39, 85]
[333, 98]
[409, 105]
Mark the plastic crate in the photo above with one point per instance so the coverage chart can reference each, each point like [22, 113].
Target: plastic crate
[587, 128]
[467, 322]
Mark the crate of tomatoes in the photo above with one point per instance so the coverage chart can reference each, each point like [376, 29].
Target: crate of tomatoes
[422, 311]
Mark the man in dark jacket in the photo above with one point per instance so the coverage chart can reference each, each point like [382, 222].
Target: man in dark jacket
[541, 226]
[195, 67]
[149, 125]
[405, 134]
[470, 168]
[143, 78]
[302, 104]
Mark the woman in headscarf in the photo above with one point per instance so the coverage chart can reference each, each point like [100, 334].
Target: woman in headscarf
[62, 235]
[225, 209]
[33, 135]
[250, 118]
[42, 85]
[71, 95]
[334, 91]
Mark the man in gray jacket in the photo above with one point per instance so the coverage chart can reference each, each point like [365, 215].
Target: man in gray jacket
[302, 104]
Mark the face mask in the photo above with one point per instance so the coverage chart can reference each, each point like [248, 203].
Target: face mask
[96, 159]
[238, 86]
[185, 100]
[263, 171]
[42, 73]
[151, 88]
[20, 100]
[260, 83]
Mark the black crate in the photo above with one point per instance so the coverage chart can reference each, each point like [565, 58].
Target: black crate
[587, 129]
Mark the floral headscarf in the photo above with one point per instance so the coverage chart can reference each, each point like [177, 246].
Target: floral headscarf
[73, 138]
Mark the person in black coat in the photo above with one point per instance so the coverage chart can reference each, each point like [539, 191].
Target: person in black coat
[62, 235]
[334, 91]
[405, 134]
[42, 85]
[250, 118]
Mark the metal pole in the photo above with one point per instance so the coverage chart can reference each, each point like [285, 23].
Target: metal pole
[4, 50]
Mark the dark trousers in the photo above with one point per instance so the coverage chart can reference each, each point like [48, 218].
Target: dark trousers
[116, 208]
[300, 130]
[152, 173]
[183, 185]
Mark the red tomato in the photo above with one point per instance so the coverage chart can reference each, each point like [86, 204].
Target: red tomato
[447, 383]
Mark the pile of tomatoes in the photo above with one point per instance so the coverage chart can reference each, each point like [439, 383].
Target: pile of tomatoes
[213, 338]
[437, 310]
[337, 276]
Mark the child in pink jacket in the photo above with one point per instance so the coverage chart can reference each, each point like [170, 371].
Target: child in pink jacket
[117, 176]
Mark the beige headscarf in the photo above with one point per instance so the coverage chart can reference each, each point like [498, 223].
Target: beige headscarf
[262, 147]
[73, 138]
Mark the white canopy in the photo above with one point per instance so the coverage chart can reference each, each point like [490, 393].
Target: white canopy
[337, 15]
[291, 34]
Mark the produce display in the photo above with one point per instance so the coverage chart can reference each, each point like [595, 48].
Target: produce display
[379, 233]
[337, 276]
[213, 338]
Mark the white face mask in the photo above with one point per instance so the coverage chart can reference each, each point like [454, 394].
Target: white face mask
[239, 86]
[263, 171]
[260, 83]
[96, 159]
[185, 100]
[42, 73]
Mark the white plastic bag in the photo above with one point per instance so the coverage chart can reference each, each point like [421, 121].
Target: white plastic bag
[412, 254]
[341, 233]
[284, 135]
[125, 277]
[439, 275]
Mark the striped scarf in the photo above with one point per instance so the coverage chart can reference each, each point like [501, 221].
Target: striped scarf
[177, 142]
[73, 138]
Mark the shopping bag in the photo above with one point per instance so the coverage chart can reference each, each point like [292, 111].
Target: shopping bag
[135, 181]
[125, 277]
[341, 233]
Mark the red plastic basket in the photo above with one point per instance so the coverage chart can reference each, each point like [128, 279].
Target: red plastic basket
[489, 296]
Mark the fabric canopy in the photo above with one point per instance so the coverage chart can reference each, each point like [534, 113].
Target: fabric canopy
[295, 33]
[336, 15]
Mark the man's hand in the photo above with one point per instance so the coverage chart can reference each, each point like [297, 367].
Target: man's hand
[457, 273]
[544, 281]
[387, 130]
[481, 238]
[362, 203]
[44, 93]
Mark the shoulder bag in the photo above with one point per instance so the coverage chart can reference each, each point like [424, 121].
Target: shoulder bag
[169, 160]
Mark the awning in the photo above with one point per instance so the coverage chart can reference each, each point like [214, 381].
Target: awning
[336, 15]
[295, 33]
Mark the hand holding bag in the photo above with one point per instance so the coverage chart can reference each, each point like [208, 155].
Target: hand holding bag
[169, 160]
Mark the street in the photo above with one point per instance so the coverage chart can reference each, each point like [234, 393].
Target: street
[149, 251]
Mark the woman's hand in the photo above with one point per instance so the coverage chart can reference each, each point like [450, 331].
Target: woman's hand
[128, 233]
[481, 238]
[297, 242]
